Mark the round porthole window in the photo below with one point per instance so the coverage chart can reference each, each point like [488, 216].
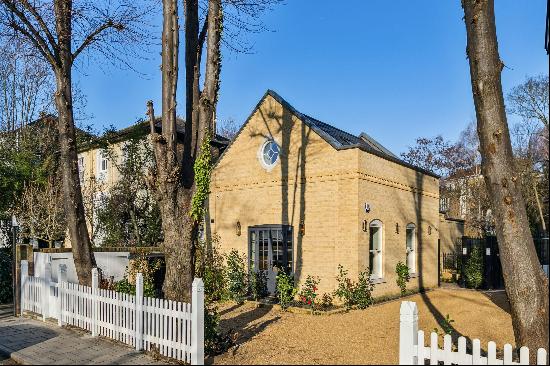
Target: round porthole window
[270, 153]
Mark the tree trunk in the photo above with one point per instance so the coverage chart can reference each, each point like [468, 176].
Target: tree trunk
[83, 256]
[526, 284]
[74, 208]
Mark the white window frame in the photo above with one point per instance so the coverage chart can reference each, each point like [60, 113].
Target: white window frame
[81, 169]
[265, 165]
[102, 165]
[411, 249]
[378, 254]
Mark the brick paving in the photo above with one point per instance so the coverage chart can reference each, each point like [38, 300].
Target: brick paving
[33, 342]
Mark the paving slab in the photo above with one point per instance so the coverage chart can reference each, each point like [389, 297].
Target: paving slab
[33, 342]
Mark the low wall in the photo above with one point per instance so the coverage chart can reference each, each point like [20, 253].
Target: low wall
[111, 264]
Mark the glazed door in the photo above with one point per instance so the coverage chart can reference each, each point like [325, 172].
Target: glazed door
[270, 251]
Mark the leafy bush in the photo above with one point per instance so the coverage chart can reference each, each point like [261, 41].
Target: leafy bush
[236, 277]
[285, 289]
[258, 285]
[326, 301]
[6, 295]
[210, 266]
[139, 265]
[403, 276]
[309, 291]
[351, 293]
[473, 271]
[362, 294]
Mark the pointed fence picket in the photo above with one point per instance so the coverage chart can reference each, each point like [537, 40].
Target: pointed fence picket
[414, 351]
[174, 329]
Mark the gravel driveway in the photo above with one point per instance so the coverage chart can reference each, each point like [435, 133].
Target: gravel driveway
[371, 336]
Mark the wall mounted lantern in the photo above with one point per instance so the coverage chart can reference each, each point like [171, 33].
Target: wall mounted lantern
[365, 226]
[238, 228]
[397, 228]
[302, 228]
[429, 230]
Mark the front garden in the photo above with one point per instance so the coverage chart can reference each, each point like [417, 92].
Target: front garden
[267, 335]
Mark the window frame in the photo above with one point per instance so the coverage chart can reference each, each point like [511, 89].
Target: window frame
[380, 225]
[414, 246]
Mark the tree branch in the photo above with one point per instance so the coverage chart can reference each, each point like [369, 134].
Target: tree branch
[33, 35]
[41, 22]
[92, 37]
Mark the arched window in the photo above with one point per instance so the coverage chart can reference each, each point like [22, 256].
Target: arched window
[411, 247]
[376, 253]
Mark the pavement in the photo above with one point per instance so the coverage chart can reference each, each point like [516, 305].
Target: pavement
[33, 342]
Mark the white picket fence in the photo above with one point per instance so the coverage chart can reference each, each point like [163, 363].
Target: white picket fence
[413, 351]
[173, 328]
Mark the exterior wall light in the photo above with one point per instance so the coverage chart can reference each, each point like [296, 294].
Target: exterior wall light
[429, 230]
[302, 228]
[238, 228]
[397, 228]
[365, 226]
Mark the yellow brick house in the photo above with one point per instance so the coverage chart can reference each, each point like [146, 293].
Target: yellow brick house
[291, 191]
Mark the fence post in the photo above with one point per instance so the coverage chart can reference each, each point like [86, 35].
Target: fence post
[95, 286]
[24, 276]
[408, 333]
[61, 279]
[139, 312]
[197, 323]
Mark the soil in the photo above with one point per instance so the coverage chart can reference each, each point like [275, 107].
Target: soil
[266, 335]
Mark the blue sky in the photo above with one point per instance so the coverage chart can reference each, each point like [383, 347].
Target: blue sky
[394, 69]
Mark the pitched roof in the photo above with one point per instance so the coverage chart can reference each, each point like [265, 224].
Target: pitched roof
[141, 128]
[340, 139]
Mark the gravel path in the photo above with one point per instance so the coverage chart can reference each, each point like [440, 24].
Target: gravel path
[370, 336]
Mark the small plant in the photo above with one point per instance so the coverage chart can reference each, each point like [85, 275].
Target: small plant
[309, 291]
[362, 293]
[447, 324]
[345, 288]
[326, 301]
[215, 341]
[473, 271]
[258, 285]
[285, 289]
[236, 277]
[403, 276]
[359, 294]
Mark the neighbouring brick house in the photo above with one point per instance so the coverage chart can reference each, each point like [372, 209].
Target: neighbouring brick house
[295, 192]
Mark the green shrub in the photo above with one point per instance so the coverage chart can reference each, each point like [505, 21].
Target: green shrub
[403, 276]
[285, 289]
[354, 294]
[362, 294]
[345, 288]
[210, 266]
[326, 301]
[473, 270]
[257, 285]
[309, 291]
[236, 277]
[139, 265]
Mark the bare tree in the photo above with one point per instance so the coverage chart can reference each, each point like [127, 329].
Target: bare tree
[60, 31]
[526, 284]
[26, 86]
[40, 211]
[174, 177]
[228, 128]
